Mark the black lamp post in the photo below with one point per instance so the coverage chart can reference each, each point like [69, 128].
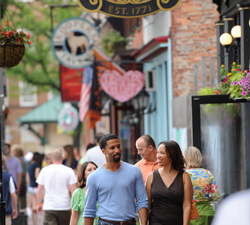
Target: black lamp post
[140, 102]
[2, 203]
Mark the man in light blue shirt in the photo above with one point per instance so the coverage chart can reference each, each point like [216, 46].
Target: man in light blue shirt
[115, 185]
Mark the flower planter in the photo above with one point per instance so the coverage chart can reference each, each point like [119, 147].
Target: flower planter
[11, 54]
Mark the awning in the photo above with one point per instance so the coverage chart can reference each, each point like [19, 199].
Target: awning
[153, 48]
[45, 113]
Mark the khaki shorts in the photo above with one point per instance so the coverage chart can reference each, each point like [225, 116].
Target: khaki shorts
[8, 220]
[53, 217]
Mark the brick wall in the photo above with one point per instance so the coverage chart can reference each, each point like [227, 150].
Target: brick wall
[193, 35]
[15, 111]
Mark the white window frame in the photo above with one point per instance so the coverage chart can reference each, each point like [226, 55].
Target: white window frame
[33, 95]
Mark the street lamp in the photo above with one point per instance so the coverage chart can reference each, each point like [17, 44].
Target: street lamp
[236, 31]
[231, 42]
[226, 39]
[140, 102]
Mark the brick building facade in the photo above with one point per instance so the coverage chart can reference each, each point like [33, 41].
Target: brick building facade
[193, 35]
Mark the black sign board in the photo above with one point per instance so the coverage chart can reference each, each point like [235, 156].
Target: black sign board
[128, 8]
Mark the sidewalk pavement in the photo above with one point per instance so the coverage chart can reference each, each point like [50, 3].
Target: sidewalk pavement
[39, 220]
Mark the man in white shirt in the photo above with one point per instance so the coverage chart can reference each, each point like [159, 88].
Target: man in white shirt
[95, 154]
[234, 210]
[57, 180]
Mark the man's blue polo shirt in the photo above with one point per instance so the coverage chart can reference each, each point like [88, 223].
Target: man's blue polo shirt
[116, 193]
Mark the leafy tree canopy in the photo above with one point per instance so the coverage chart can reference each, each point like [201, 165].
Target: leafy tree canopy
[39, 66]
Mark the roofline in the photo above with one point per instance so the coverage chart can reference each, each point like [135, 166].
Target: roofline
[150, 47]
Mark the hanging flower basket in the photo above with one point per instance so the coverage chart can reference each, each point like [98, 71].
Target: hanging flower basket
[12, 47]
[11, 54]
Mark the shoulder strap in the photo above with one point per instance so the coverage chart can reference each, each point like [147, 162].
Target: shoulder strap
[183, 177]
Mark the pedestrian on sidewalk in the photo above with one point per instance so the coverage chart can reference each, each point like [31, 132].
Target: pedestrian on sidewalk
[59, 182]
[204, 186]
[33, 171]
[95, 154]
[116, 185]
[147, 150]
[14, 166]
[9, 194]
[169, 188]
[78, 197]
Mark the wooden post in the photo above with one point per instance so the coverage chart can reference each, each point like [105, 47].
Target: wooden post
[220, 48]
[203, 72]
[196, 74]
[228, 25]
[212, 72]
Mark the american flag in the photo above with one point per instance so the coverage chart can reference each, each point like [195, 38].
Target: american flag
[85, 92]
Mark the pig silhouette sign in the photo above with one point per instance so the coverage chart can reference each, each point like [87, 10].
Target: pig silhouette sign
[72, 42]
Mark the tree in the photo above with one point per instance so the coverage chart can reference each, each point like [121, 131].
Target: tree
[39, 67]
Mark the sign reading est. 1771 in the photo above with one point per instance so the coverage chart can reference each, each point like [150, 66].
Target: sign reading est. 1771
[127, 8]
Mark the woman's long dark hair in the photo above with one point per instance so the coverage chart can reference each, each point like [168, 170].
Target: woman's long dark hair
[173, 149]
[81, 181]
[69, 150]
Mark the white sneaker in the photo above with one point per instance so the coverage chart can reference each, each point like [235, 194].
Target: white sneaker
[29, 212]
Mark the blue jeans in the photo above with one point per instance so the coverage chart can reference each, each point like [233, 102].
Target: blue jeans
[100, 222]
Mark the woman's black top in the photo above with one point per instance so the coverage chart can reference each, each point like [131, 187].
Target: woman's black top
[166, 206]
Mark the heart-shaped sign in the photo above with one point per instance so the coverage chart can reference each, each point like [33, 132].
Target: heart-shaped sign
[122, 88]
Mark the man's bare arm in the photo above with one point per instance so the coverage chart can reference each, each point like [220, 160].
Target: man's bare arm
[143, 214]
[88, 221]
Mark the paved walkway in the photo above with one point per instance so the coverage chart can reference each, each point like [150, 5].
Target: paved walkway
[39, 220]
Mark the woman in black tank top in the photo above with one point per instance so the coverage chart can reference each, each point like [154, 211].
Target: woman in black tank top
[169, 200]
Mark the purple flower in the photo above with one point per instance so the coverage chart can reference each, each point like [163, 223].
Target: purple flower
[244, 93]
[240, 83]
[246, 82]
[243, 78]
[235, 83]
[248, 90]
[247, 76]
[244, 87]
[248, 73]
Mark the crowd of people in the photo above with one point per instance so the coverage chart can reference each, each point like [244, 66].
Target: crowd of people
[101, 189]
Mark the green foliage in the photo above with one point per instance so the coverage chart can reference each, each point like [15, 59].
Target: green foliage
[39, 66]
[205, 91]
[110, 39]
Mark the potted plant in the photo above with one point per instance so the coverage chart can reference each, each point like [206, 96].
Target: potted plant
[112, 40]
[12, 45]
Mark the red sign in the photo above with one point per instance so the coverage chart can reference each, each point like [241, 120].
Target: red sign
[71, 83]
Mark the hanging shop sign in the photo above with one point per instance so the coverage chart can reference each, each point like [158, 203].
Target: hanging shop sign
[122, 87]
[71, 83]
[72, 42]
[127, 8]
[68, 119]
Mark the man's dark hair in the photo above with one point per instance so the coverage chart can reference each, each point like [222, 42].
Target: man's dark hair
[7, 144]
[98, 136]
[149, 140]
[105, 138]
[90, 145]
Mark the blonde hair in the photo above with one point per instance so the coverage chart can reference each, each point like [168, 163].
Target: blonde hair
[3, 160]
[17, 150]
[192, 157]
[57, 155]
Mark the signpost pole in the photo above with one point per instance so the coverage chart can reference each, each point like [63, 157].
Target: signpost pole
[2, 203]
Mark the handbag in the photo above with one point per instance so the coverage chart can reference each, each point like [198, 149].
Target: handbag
[194, 215]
